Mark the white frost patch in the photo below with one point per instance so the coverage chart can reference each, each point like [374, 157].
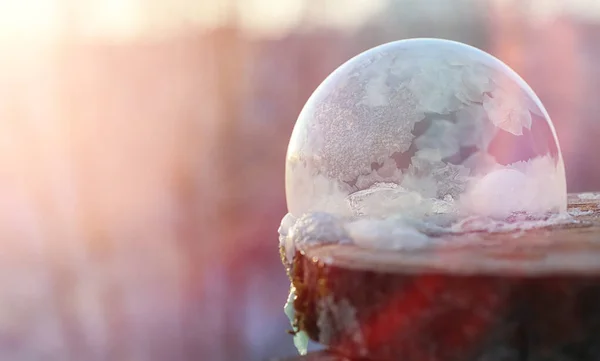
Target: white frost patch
[575, 212]
[391, 234]
[432, 177]
[534, 187]
[388, 173]
[489, 225]
[497, 194]
[383, 199]
[442, 135]
[289, 310]
[286, 223]
[473, 128]
[442, 206]
[310, 229]
[589, 196]
[310, 192]
[300, 338]
[377, 91]
[507, 111]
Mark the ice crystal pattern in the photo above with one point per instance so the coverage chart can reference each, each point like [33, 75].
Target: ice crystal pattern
[418, 121]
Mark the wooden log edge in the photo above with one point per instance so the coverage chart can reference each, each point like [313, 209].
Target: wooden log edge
[458, 303]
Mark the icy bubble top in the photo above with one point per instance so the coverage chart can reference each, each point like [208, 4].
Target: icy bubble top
[424, 127]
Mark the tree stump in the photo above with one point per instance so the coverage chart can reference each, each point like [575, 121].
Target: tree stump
[529, 295]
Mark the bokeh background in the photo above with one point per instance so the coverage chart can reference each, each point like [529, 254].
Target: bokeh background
[142, 147]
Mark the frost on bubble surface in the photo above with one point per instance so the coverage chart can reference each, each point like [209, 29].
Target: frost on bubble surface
[414, 135]
[410, 122]
[421, 127]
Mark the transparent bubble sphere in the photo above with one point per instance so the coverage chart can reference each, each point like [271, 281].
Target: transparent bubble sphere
[422, 127]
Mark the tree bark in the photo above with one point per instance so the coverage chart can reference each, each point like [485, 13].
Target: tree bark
[529, 296]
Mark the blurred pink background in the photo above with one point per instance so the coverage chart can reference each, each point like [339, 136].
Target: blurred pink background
[142, 155]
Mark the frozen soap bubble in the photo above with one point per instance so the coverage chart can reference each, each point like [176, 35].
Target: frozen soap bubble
[424, 127]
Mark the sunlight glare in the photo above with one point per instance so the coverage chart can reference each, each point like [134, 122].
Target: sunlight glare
[29, 20]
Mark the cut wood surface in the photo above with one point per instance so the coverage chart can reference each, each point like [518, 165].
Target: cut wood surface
[543, 250]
